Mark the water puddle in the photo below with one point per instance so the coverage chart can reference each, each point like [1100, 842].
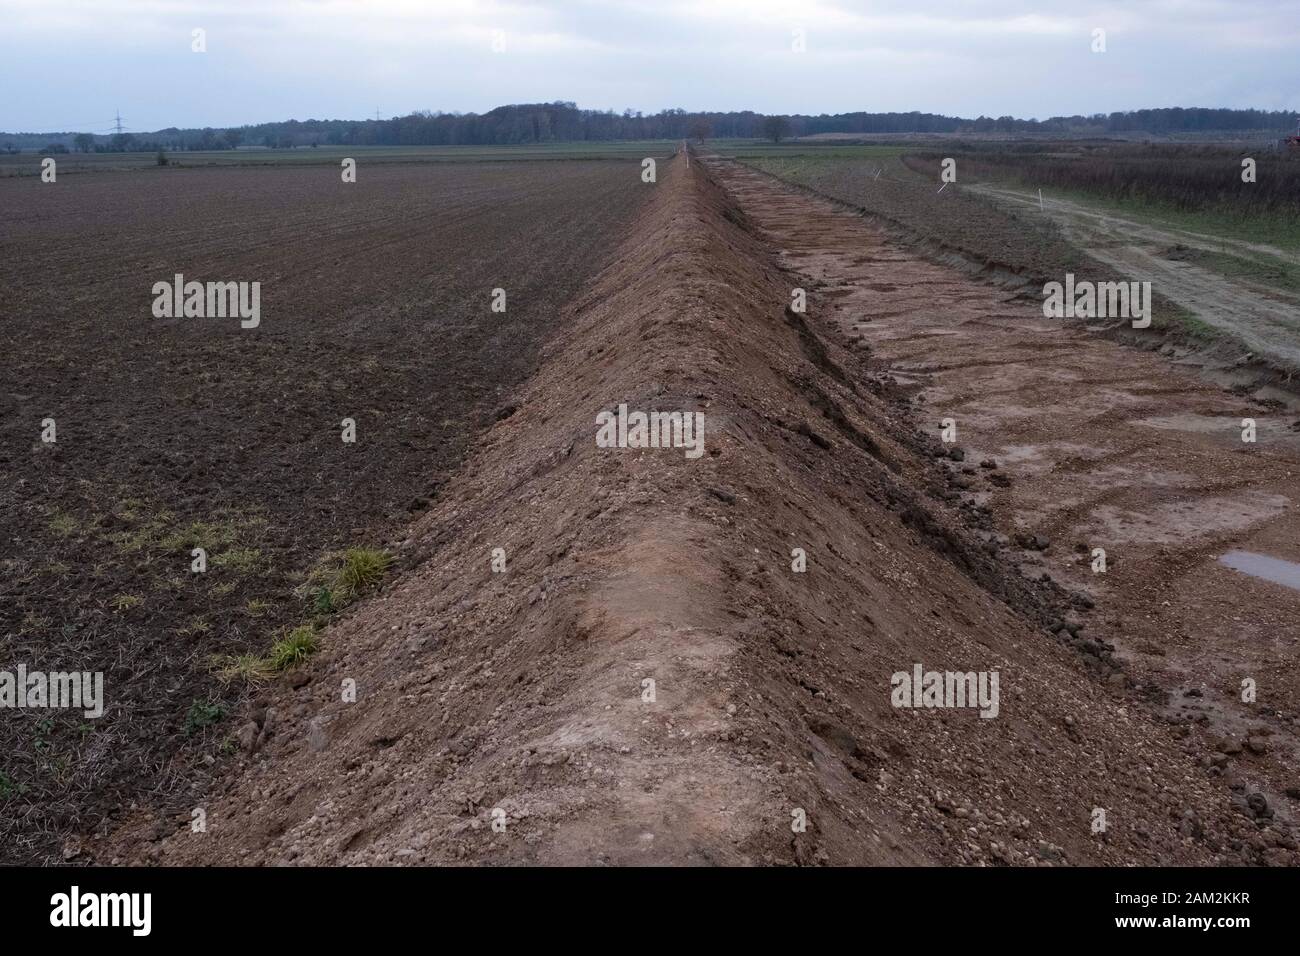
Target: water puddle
[1275, 426]
[1262, 566]
[1188, 422]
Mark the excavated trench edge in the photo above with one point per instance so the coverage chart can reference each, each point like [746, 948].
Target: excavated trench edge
[590, 606]
[1248, 374]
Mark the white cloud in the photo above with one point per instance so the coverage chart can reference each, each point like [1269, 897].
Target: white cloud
[269, 59]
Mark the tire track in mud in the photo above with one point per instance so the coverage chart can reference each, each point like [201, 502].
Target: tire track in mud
[1102, 446]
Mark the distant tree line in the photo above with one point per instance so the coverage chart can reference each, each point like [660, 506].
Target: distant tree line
[565, 122]
[1175, 119]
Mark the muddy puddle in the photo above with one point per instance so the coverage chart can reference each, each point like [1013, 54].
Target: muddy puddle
[1286, 573]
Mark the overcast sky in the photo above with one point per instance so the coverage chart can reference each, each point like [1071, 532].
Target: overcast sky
[69, 64]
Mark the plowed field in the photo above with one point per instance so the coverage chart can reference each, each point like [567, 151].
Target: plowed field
[171, 434]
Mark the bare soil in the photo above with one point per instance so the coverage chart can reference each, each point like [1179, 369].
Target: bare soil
[1081, 443]
[1230, 300]
[506, 717]
[176, 433]
[945, 222]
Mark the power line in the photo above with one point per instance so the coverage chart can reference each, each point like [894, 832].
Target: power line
[90, 127]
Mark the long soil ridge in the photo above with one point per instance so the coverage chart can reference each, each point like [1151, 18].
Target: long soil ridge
[509, 717]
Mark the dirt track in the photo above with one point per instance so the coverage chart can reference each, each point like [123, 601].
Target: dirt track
[520, 697]
[1264, 319]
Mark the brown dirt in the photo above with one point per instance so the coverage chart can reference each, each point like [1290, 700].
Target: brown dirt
[174, 433]
[950, 225]
[522, 692]
[1096, 445]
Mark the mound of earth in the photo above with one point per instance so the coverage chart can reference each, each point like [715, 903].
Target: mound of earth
[650, 680]
[183, 433]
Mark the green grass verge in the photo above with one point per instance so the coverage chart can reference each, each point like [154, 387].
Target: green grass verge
[339, 581]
